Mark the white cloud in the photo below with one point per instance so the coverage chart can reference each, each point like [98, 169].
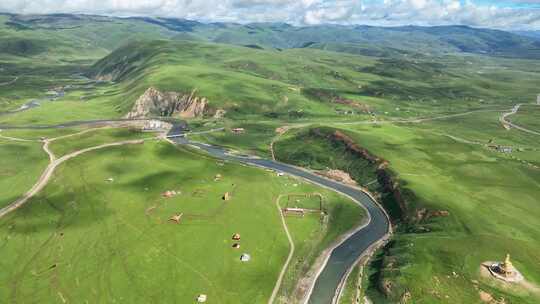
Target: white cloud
[374, 12]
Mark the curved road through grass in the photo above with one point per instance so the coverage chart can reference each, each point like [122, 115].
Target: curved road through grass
[508, 123]
[345, 254]
[341, 257]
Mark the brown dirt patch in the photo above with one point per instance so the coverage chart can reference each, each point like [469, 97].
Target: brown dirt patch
[338, 175]
[485, 297]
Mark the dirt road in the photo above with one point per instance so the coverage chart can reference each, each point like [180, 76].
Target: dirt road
[53, 164]
[9, 82]
[289, 257]
[508, 124]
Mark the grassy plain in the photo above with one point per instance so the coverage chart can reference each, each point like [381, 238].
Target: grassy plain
[528, 116]
[95, 138]
[311, 234]
[490, 197]
[86, 239]
[21, 163]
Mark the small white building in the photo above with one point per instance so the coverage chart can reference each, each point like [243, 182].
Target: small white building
[152, 125]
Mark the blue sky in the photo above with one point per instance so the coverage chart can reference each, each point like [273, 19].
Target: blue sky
[516, 4]
[503, 14]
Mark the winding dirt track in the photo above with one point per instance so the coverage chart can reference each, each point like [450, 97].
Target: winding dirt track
[17, 139]
[505, 122]
[53, 164]
[289, 257]
[383, 122]
[9, 82]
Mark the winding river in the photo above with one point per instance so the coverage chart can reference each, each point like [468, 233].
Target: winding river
[342, 258]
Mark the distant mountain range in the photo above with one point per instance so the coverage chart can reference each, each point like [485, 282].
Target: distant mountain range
[104, 34]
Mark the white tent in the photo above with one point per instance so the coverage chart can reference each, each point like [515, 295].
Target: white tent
[202, 298]
[245, 257]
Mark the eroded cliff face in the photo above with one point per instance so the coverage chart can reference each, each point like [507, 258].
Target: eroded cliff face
[389, 183]
[168, 104]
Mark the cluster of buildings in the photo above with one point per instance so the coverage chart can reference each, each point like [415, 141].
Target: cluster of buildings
[502, 149]
[153, 125]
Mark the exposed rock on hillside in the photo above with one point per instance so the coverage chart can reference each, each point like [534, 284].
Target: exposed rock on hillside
[340, 176]
[156, 103]
[390, 185]
[220, 113]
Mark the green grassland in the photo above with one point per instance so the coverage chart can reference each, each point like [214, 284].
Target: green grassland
[256, 139]
[38, 134]
[312, 149]
[65, 39]
[95, 138]
[348, 295]
[21, 163]
[311, 234]
[296, 85]
[98, 34]
[293, 85]
[244, 81]
[528, 116]
[86, 239]
[490, 197]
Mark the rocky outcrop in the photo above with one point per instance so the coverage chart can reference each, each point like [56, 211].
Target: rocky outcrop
[220, 113]
[168, 104]
[424, 214]
[389, 183]
[338, 175]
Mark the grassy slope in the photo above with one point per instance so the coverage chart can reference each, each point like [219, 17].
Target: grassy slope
[492, 203]
[256, 139]
[528, 117]
[105, 248]
[95, 138]
[305, 149]
[45, 52]
[349, 293]
[491, 199]
[245, 81]
[252, 85]
[21, 164]
[272, 85]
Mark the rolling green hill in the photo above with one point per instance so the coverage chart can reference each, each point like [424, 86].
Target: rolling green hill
[98, 35]
[425, 99]
[310, 84]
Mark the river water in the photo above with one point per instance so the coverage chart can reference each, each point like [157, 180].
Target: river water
[342, 257]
